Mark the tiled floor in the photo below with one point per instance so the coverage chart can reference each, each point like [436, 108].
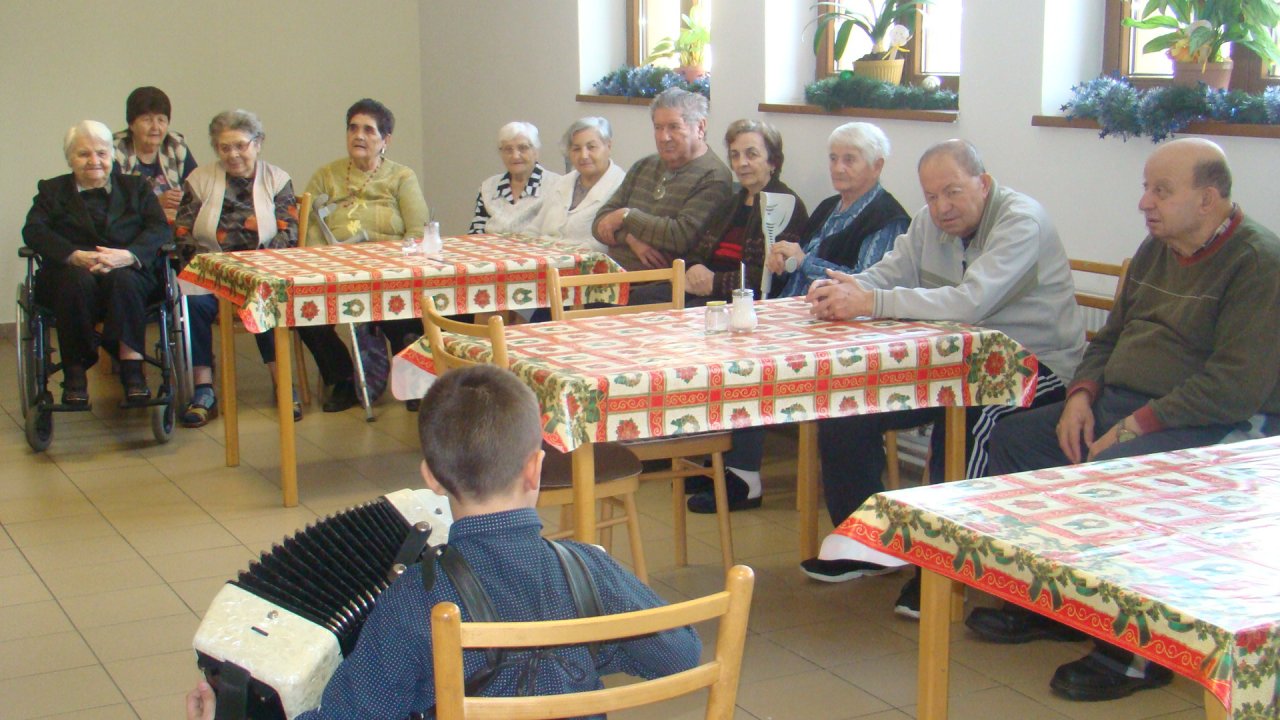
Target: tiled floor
[112, 546]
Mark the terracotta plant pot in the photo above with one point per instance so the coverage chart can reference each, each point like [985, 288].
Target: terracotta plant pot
[889, 71]
[1216, 75]
[691, 73]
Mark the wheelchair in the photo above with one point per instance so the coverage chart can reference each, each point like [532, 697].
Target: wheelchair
[36, 362]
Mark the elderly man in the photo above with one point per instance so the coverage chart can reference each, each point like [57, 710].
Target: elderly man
[980, 254]
[1180, 363]
[666, 198]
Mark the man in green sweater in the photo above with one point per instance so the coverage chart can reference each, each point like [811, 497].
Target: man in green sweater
[1185, 358]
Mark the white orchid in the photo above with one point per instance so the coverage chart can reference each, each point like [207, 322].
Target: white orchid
[899, 35]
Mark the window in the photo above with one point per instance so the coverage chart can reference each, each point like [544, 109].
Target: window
[1122, 54]
[649, 22]
[934, 48]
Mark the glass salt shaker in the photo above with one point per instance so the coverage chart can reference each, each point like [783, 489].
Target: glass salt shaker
[432, 243]
[717, 317]
[742, 318]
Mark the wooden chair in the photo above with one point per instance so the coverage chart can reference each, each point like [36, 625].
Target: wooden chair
[1095, 300]
[617, 468]
[720, 674]
[677, 450]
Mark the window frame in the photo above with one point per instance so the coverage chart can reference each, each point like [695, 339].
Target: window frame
[634, 10]
[1247, 72]
[911, 70]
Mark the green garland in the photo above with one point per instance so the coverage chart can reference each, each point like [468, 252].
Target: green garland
[647, 81]
[1121, 109]
[850, 90]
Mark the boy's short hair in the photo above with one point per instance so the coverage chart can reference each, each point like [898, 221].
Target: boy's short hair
[478, 426]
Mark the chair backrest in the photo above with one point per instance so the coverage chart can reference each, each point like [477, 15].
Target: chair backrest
[557, 283]
[435, 325]
[304, 217]
[1095, 300]
[732, 605]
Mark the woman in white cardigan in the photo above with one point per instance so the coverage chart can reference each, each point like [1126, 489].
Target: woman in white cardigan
[570, 203]
[509, 202]
[238, 203]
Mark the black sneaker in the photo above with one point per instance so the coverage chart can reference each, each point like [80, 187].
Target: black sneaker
[342, 397]
[834, 571]
[1101, 675]
[1013, 625]
[736, 489]
[908, 603]
[75, 386]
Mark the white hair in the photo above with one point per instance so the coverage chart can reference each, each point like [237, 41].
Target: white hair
[599, 124]
[91, 129]
[869, 140]
[513, 130]
[692, 106]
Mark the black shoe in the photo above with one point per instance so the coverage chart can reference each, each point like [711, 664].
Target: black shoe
[908, 603]
[136, 391]
[834, 571]
[700, 483]
[75, 386]
[736, 489]
[1011, 625]
[342, 397]
[1100, 675]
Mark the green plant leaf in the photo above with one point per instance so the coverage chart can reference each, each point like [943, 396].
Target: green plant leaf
[842, 39]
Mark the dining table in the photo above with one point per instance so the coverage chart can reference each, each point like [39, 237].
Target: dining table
[278, 289]
[1166, 555]
[659, 373]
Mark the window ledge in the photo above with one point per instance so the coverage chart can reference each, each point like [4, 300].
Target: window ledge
[937, 116]
[614, 100]
[1206, 127]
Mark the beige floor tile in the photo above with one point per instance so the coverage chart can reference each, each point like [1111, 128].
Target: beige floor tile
[78, 553]
[816, 695]
[1194, 713]
[42, 654]
[58, 530]
[273, 525]
[99, 484]
[61, 503]
[167, 541]
[998, 702]
[6, 542]
[686, 707]
[109, 712]
[155, 675]
[764, 659]
[197, 594]
[32, 620]
[1146, 704]
[64, 691]
[84, 580]
[129, 518]
[12, 562]
[833, 643]
[893, 678]
[20, 589]
[221, 562]
[125, 641]
[161, 707]
[120, 606]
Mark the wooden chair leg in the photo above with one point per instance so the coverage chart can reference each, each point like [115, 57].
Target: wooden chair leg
[678, 510]
[894, 479]
[722, 510]
[605, 534]
[633, 537]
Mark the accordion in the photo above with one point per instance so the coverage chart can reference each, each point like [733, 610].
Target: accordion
[272, 637]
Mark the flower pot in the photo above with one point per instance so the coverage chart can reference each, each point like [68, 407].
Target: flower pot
[889, 71]
[691, 73]
[1215, 74]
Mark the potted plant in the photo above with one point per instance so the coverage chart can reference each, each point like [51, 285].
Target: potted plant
[1198, 29]
[688, 46]
[888, 28]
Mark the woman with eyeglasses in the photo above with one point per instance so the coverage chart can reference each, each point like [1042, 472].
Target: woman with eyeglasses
[240, 202]
[510, 202]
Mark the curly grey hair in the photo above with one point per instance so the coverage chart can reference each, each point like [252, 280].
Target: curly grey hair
[241, 120]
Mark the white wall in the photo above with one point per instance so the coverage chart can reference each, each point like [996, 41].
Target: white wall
[528, 69]
[297, 63]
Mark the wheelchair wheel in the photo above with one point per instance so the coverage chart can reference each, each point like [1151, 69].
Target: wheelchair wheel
[163, 419]
[30, 363]
[39, 423]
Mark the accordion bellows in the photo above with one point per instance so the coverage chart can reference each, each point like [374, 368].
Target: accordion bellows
[294, 613]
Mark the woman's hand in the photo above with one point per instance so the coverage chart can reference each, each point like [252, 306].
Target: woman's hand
[698, 280]
[778, 254]
[112, 258]
[170, 199]
[84, 259]
[648, 254]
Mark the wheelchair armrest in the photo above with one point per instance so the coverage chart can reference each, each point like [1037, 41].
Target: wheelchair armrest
[26, 252]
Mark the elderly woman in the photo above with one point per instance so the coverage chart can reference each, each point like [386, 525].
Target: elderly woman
[99, 235]
[148, 148]
[848, 232]
[571, 201]
[851, 230]
[239, 203]
[375, 196]
[510, 202]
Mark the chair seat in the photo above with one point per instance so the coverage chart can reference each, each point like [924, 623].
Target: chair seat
[613, 462]
[664, 448]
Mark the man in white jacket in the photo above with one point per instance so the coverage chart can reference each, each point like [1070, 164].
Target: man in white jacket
[977, 253]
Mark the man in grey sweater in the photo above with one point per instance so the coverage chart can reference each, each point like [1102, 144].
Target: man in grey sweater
[978, 253]
[1184, 359]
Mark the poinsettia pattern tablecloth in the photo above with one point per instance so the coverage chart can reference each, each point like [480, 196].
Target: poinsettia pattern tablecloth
[657, 374]
[374, 281]
[1172, 556]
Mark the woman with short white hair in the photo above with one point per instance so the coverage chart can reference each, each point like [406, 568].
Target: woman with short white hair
[570, 202]
[99, 235]
[509, 202]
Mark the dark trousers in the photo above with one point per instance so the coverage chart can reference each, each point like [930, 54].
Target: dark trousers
[202, 310]
[400, 334]
[1029, 441]
[332, 357]
[80, 299]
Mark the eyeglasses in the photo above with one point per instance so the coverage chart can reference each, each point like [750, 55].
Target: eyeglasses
[520, 149]
[237, 147]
